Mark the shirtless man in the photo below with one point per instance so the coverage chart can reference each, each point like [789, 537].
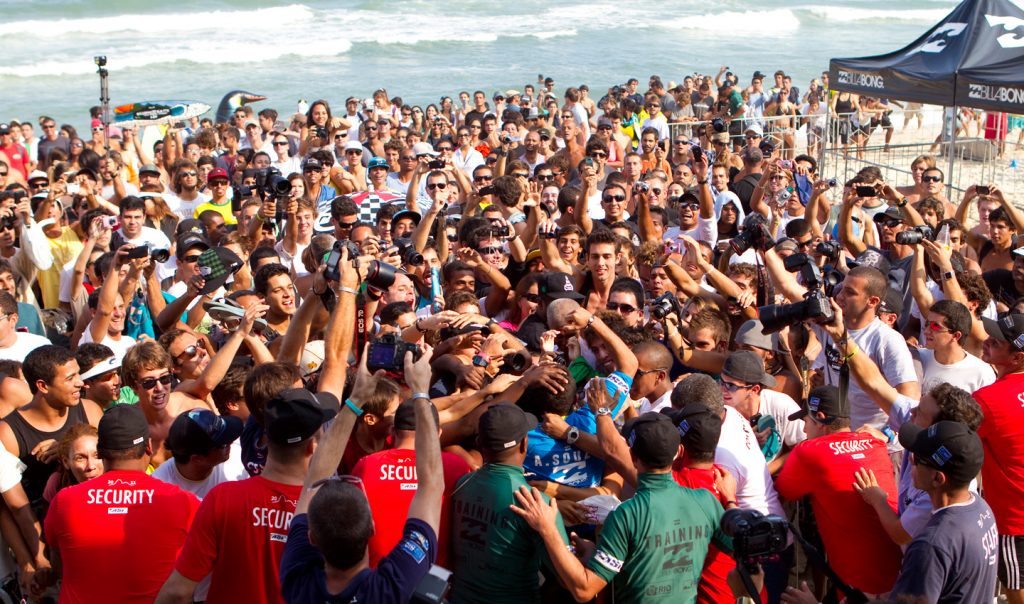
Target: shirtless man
[31, 432]
[146, 369]
[995, 249]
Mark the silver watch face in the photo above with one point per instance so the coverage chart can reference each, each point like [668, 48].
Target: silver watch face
[603, 411]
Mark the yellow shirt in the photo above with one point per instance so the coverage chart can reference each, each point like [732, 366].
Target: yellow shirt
[65, 250]
[223, 209]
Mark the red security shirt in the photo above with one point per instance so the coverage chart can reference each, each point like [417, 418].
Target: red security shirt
[16, 157]
[1002, 436]
[239, 535]
[858, 547]
[390, 480]
[118, 536]
[714, 586]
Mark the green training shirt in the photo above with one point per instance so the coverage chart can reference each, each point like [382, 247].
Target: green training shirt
[496, 555]
[653, 545]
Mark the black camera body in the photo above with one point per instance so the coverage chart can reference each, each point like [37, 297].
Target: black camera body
[549, 234]
[407, 251]
[388, 353]
[664, 305]
[332, 272]
[755, 234]
[718, 125]
[141, 251]
[270, 183]
[755, 537]
[915, 235]
[516, 363]
[829, 250]
[815, 306]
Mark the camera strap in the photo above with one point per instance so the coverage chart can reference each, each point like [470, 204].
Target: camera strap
[853, 595]
[360, 327]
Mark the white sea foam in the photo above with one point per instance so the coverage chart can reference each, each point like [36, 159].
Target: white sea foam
[213, 53]
[239, 21]
[765, 22]
[848, 14]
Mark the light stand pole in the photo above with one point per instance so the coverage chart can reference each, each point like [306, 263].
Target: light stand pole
[101, 64]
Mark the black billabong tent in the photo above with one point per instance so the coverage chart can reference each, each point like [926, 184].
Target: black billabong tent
[972, 58]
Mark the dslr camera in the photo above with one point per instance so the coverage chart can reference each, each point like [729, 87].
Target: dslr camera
[755, 234]
[914, 235]
[270, 182]
[718, 125]
[408, 252]
[828, 250]
[664, 305]
[553, 234]
[814, 307]
[755, 537]
[141, 251]
[388, 353]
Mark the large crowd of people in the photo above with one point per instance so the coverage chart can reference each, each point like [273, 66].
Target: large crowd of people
[530, 347]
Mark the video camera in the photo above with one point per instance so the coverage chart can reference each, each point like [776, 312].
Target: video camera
[755, 537]
[755, 234]
[814, 307]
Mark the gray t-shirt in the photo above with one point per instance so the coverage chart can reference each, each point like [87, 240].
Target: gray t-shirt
[888, 350]
[953, 559]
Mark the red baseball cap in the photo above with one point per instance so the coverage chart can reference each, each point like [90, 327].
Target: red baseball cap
[217, 173]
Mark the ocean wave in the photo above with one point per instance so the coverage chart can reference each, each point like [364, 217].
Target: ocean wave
[765, 22]
[846, 14]
[241, 21]
[215, 53]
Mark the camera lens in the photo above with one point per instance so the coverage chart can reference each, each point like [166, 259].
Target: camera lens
[380, 275]
[160, 255]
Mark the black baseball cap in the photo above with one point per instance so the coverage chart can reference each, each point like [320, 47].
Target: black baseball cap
[504, 426]
[889, 213]
[892, 302]
[122, 427]
[653, 438]
[556, 286]
[747, 367]
[296, 414]
[199, 431]
[699, 428]
[949, 447]
[405, 416]
[189, 241]
[824, 399]
[874, 258]
[1009, 327]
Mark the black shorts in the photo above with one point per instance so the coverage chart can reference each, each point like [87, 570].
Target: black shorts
[1011, 552]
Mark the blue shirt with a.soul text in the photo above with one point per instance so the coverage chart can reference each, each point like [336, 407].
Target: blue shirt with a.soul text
[555, 460]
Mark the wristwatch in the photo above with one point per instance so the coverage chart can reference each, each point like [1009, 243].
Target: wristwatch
[948, 276]
[572, 435]
[603, 411]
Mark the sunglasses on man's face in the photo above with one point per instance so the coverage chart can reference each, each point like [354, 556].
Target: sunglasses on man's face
[931, 179]
[610, 198]
[626, 308]
[486, 251]
[150, 383]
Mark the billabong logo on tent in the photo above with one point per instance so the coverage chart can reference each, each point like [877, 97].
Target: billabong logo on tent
[865, 80]
[1003, 94]
[1009, 40]
[939, 39]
